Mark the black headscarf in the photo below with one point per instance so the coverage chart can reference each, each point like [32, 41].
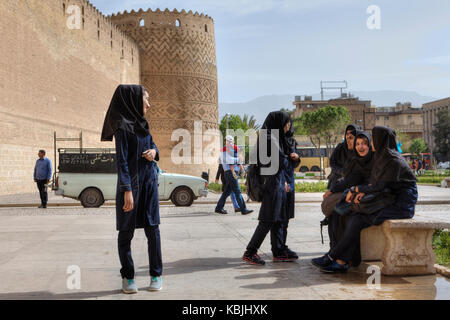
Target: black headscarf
[389, 165]
[276, 120]
[363, 164]
[342, 155]
[125, 112]
[290, 144]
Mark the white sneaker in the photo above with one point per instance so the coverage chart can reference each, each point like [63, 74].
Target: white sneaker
[155, 284]
[129, 286]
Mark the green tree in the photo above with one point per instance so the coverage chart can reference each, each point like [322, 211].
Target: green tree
[418, 146]
[441, 133]
[324, 126]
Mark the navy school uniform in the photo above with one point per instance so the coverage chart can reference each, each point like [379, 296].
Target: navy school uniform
[273, 214]
[140, 176]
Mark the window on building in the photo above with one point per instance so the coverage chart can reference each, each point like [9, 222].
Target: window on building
[386, 118]
[178, 23]
[142, 23]
[206, 28]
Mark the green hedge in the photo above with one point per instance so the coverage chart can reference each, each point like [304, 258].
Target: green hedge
[430, 179]
[319, 186]
[441, 246]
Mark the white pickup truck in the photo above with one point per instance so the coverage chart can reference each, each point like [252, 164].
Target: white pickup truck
[90, 175]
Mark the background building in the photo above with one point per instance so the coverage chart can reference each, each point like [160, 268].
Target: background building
[361, 111]
[430, 111]
[403, 118]
[56, 78]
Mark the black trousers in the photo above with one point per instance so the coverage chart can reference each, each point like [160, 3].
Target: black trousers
[336, 228]
[278, 235]
[348, 247]
[42, 191]
[154, 252]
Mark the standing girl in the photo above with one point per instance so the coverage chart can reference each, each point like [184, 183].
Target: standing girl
[137, 203]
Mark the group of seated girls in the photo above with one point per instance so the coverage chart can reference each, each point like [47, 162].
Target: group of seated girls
[370, 182]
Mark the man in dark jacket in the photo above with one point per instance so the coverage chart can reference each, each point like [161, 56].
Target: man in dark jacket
[42, 175]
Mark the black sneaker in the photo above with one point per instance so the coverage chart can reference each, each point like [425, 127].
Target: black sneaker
[237, 210]
[253, 259]
[322, 262]
[246, 212]
[221, 211]
[284, 256]
[291, 254]
[335, 268]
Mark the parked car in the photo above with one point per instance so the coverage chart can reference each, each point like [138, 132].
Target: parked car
[443, 165]
[91, 177]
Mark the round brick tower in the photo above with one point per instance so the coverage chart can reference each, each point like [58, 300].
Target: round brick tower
[178, 67]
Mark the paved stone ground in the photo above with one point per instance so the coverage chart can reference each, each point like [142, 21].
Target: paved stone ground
[426, 193]
[201, 254]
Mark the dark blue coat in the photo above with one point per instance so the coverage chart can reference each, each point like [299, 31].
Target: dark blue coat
[138, 175]
[274, 202]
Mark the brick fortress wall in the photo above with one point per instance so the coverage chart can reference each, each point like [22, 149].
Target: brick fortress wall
[178, 67]
[53, 78]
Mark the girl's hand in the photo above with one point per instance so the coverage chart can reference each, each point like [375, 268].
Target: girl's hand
[149, 154]
[286, 187]
[128, 201]
[358, 197]
[349, 197]
[294, 156]
[327, 194]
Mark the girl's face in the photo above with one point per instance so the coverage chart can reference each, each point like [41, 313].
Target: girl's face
[287, 127]
[146, 103]
[362, 147]
[350, 138]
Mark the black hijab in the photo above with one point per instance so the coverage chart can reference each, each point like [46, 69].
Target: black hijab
[362, 164]
[290, 144]
[342, 155]
[125, 112]
[389, 165]
[276, 120]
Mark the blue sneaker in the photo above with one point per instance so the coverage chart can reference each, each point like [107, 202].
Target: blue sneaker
[155, 284]
[335, 268]
[322, 262]
[128, 286]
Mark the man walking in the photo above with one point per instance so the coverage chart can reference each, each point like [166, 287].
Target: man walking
[42, 176]
[232, 185]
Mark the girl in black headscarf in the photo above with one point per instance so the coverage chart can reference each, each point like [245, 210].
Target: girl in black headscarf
[137, 203]
[390, 170]
[356, 172]
[293, 162]
[273, 211]
[341, 155]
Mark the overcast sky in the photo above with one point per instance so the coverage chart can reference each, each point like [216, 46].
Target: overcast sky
[287, 46]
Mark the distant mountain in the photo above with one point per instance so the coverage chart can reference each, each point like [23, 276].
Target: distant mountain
[261, 106]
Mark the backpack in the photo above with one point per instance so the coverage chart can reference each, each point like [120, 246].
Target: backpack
[255, 183]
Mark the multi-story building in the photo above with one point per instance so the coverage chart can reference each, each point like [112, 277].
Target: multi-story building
[430, 111]
[403, 118]
[361, 111]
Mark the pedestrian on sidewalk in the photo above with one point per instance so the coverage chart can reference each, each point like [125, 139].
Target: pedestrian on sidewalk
[42, 175]
[137, 202]
[229, 161]
[273, 212]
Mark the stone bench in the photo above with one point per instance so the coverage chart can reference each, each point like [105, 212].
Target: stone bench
[404, 246]
[445, 183]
